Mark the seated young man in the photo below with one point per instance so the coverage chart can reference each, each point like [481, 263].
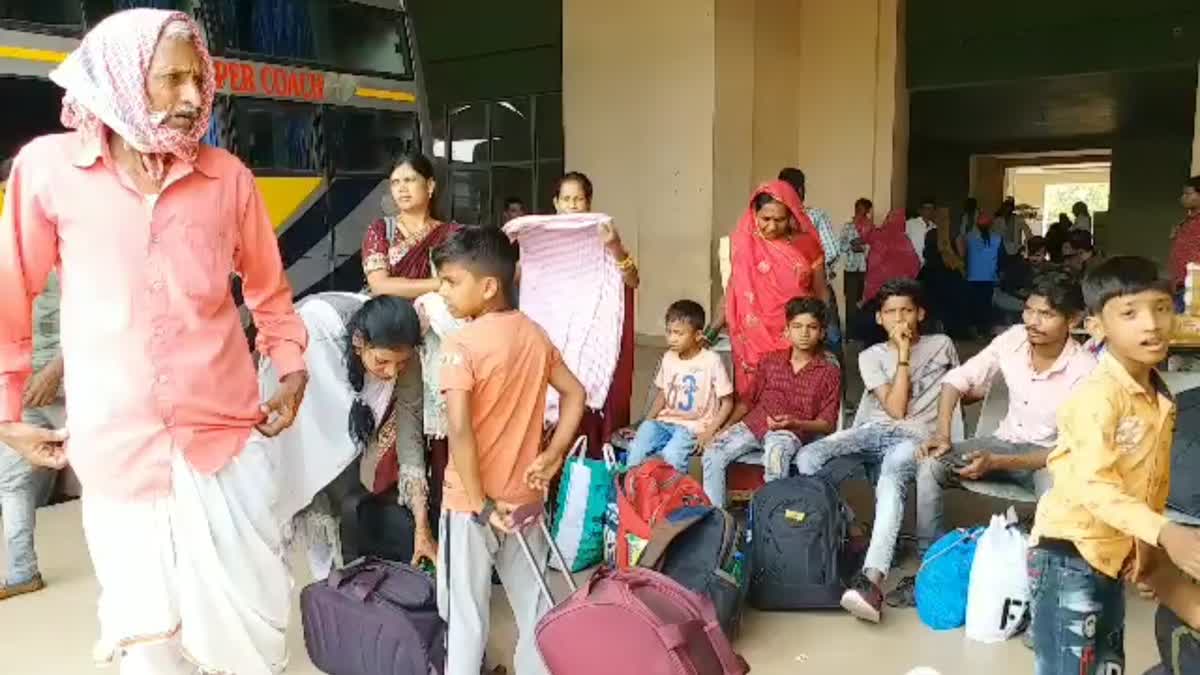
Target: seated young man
[903, 377]
[797, 399]
[1041, 364]
[695, 394]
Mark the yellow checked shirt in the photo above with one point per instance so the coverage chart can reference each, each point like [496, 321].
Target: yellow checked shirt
[1111, 468]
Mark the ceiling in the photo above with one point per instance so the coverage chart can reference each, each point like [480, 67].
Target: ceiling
[1058, 108]
[952, 42]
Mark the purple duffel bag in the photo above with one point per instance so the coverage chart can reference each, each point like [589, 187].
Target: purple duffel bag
[374, 617]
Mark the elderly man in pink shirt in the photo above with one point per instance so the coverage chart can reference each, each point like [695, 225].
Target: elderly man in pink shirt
[146, 226]
[1041, 365]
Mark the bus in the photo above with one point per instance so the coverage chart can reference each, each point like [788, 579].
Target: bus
[317, 97]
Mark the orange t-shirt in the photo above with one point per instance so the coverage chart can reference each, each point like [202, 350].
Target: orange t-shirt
[504, 360]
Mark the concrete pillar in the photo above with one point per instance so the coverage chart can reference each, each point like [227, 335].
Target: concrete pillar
[638, 109]
[1196, 133]
[733, 129]
[853, 105]
[678, 108]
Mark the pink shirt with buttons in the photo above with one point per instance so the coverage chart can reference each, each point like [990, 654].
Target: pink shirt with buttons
[1033, 397]
[155, 357]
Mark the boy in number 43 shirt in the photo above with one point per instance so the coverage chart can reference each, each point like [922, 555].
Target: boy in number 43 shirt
[695, 394]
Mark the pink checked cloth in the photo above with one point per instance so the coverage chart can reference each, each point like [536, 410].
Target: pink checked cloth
[571, 287]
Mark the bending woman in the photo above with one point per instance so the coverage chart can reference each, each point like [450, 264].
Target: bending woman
[359, 424]
[777, 256]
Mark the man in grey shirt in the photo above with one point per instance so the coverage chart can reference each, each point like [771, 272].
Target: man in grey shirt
[24, 487]
[903, 379]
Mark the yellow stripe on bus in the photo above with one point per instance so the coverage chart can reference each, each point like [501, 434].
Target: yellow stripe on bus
[285, 195]
[26, 54]
[385, 95]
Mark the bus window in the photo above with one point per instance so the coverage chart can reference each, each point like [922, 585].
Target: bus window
[60, 16]
[96, 10]
[339, 35]
[276, 136]
[38, 113]
[366, 140]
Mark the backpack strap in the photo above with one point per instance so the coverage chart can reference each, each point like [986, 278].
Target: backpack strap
[664, 533]
[353, 537]
[389, 228]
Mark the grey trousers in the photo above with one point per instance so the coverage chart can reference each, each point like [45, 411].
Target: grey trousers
[935, 475]
[465, 591]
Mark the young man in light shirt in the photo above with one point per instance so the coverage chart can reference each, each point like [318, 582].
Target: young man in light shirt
[1041, 364]
[918, 227]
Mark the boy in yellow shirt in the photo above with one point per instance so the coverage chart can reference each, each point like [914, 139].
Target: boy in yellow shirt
[1111, 471]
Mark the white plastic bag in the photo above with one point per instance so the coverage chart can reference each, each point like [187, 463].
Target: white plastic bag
[998, 594]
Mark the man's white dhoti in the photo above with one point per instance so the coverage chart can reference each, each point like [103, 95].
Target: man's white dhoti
[203, 567]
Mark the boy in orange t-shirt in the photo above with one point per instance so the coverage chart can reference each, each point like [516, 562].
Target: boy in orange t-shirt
[494, 374]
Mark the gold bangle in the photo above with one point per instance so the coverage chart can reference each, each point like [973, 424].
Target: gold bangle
[625, 264]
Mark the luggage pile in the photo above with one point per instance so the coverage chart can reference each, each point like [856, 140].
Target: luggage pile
[678, 574]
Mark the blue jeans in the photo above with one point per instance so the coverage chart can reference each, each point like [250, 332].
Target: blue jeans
[894, 450]
[1078, 616]
[676, 444]
[23, 488]
[775, 452]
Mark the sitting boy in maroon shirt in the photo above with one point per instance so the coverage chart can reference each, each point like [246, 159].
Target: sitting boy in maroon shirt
[797, 398]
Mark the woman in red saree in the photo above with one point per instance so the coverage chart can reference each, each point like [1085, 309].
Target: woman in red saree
[396, 248]
[777, 256]
[396, 261]
[891, 254]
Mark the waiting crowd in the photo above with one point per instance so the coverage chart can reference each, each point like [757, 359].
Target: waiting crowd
[436, 404]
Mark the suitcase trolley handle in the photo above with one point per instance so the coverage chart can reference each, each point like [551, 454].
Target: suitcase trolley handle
[524, 518]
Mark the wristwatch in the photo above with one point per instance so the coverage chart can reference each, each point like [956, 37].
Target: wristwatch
[484, 516]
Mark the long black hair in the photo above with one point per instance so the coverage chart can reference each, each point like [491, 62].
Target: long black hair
[384, 322]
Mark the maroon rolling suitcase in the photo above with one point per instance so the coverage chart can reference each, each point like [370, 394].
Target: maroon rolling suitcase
[635, 621]
[374, 617]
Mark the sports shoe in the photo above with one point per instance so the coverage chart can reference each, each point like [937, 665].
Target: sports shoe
[13, 590]
[904, 595]
[863, 599]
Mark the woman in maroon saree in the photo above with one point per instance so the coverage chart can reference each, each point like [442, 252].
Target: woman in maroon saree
[396, 260]
[396, 248]
[574, 195]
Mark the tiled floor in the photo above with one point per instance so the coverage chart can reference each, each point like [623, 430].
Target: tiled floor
[52, 632]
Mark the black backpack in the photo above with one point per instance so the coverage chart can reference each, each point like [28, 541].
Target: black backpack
[697, 547]
[1185, 455]
[798, 527]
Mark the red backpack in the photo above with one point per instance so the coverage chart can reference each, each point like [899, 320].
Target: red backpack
[648, 493]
